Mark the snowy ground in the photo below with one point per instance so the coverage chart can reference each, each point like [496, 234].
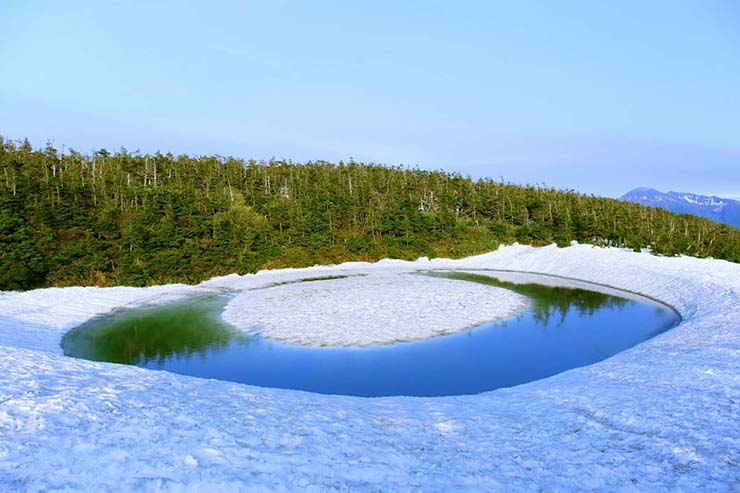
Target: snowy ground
[662, 416]
[368, 310]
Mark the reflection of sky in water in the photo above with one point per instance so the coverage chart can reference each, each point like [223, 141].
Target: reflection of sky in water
[564, 328]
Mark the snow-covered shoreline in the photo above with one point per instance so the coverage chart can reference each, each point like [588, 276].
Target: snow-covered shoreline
[663, 415]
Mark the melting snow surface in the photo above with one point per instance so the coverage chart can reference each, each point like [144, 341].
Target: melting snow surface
[661, 416]
[367, 310]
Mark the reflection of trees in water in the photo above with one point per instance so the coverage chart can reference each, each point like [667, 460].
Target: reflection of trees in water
[548, 301]
[185, 329]
[152, 335]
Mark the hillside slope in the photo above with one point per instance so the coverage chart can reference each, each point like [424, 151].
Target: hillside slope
[122, 218]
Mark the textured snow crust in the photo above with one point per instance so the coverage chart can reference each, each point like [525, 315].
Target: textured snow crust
[368, 310]
[661, 416]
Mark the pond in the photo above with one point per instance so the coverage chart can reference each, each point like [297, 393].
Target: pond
[563, 328]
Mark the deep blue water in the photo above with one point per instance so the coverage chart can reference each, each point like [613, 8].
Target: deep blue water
[564, 328]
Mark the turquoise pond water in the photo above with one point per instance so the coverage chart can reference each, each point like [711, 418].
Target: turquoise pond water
[563, 328]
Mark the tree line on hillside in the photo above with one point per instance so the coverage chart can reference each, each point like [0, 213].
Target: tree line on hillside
[122, 218]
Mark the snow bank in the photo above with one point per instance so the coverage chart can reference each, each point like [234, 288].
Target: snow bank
[368, 310]
[37, 319]
[661, 416]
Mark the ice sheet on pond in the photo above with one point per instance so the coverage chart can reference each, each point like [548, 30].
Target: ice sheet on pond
[369, 310]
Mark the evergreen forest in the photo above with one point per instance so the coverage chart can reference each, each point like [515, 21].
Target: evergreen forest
[122, 218]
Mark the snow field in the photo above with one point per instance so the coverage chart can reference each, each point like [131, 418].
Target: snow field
[661, 416]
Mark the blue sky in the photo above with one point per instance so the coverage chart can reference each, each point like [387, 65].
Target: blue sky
[598, 96]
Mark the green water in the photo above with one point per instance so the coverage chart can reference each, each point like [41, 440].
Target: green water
[151, 335]
[563, 328]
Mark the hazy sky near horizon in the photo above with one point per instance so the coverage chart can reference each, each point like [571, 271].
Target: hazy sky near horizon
[598, 96]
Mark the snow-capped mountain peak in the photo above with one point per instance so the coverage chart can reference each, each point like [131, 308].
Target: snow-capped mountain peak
[718, 209]
[701, 199]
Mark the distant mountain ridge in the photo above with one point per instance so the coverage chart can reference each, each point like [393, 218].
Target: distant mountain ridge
[721, 210]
